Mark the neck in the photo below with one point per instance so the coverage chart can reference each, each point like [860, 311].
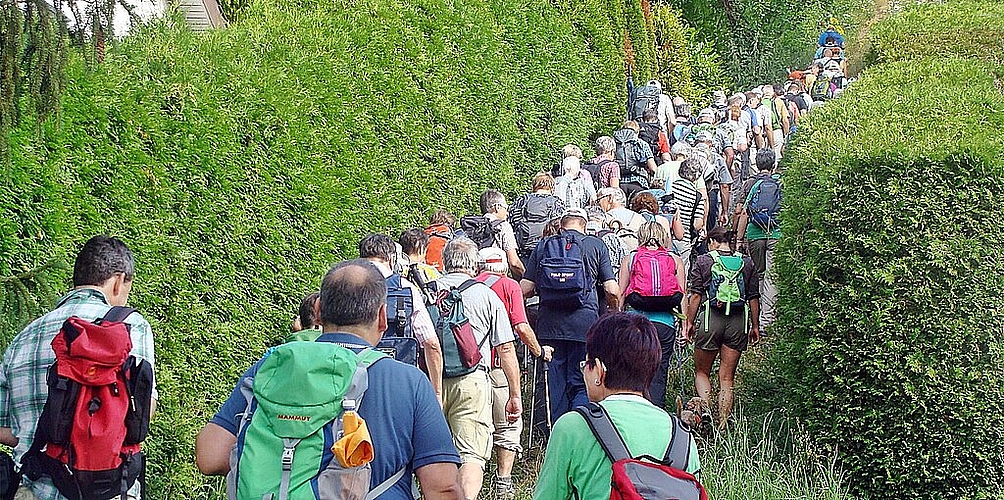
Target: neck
[461, 271]
[606, 392]
[365, 332]
[416, 258]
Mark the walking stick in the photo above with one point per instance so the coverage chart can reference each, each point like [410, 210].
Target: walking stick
[533, 405]
[547, 398]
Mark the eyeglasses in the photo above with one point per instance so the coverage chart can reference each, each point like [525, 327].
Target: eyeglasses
[583, 363]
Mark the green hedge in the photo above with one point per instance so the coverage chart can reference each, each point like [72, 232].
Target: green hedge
[240, 164]
[890, 271]
[962, 28]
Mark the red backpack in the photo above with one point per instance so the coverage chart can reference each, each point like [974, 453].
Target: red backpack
[653, 286]
[96, 414]
[439, 235]
[645, 477]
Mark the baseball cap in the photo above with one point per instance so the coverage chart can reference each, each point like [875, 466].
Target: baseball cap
[707, 113]
[576, 212]
[758, 91]
[681, 148]
[491, 255]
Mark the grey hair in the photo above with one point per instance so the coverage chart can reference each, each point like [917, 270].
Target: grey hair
[496, 267]
[460, 254]
[616, 195]
[605, 144]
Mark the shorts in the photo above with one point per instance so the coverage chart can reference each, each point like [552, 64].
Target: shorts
[467, 405]
[730, 331]
[506, 435]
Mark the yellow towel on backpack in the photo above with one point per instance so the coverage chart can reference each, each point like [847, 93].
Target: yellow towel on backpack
[355, 448]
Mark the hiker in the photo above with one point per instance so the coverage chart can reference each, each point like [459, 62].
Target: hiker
[717, 180]
[440, 230]
[684, 121]
[506, 437]
[415, 245]
[653, 135]
[757, 125]
[635, 159]
[567, 151]
[691, 203]
[621, 356]
[724, 288]
[467, 391]
[758, 216]
[305, 326]
[103, 274]
[669, 172]
[780, 119]
[764, 115]
[603, 168]
[496, 210]
[652, 281]
[530, 213]
[645, 204]
[612, 201]
[570, 305]
[575, 189]
[406, 427]
[596, 225]
[406, 314]
[665, 115]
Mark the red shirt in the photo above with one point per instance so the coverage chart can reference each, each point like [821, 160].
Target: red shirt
[512, 297]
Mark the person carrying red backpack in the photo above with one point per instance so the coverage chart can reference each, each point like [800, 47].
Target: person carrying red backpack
[114, 341]
[652, 279]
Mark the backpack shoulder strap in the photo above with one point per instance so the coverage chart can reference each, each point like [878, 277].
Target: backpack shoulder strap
[678, 452]
[490, 282]
[465, 285]
[753, 190]
[118, 314]
[386, 485]
[603, 429]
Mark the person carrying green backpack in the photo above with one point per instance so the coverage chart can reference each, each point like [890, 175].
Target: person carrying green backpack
[724, 293]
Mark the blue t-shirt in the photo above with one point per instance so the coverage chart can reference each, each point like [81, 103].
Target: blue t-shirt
[563, 324]
[401, 412]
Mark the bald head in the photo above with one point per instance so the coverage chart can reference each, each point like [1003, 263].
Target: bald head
[352, 294]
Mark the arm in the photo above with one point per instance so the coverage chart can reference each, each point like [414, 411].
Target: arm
[624, 277]
[527, 287]
[785, 120]
[758, 136]
[650, 165]
[212, 450]
[677, 226]
[510, 367]
[693, 303]
[754, 322]
[613, 293]
[433, 354]
[7, 437]
[681, 276]
[741, 222]
[723, 202]
[526, 334]
[440, 481]
[515, 265]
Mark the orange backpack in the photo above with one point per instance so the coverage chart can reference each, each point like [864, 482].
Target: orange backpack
[439, 234]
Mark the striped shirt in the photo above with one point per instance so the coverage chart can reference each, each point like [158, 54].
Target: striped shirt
[684, 199]
[23, 388]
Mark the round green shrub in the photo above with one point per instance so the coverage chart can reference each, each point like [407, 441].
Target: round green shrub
[890, 271]
[240, 164]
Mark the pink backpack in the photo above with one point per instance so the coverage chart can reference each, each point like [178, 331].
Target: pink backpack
[653, 273]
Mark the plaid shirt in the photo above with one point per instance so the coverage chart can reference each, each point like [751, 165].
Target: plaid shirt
[23, 388]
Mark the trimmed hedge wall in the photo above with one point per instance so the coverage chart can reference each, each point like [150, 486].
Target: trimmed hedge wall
[890, 325]
[962, 28]
[240, 164]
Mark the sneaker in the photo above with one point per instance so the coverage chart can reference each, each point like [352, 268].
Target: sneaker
[504, 489]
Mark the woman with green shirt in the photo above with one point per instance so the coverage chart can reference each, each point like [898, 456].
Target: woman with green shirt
[622, 356]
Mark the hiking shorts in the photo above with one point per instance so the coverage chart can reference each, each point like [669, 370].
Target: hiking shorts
[467, 404]
[506, 435]
[730, 331]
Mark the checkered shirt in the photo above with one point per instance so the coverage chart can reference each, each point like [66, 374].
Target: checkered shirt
[23, 388]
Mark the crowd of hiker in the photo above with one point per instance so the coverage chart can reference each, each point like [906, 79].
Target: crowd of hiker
[406, 368]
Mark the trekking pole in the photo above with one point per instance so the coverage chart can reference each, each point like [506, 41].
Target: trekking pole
[547, 398]
[533, 405]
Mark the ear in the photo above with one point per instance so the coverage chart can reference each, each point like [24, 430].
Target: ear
[119, 290]
[382, 318]
[317, 310]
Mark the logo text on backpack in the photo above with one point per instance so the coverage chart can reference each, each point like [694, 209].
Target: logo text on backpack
[296, 418]
[562, 277]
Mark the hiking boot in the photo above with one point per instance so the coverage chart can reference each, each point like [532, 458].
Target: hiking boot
[504, 489]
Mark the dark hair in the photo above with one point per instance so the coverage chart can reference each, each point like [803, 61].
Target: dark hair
[307, 317]
[440, 216]
[352, 293]
[720, 235]
[414, 241]
[490, 199]
[629, 348]
[650, 114]
[101, 258]
[645, 201]
[552, 227]
[829, 40]
[765, 159]
[377, 246]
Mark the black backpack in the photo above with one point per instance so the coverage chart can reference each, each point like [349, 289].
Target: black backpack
[481, 229]
[537, 211]
[650, 134]
[594, 171]
[625, 157]
[645, 98]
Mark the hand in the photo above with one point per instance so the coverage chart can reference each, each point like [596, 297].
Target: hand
[688, 330]
[548, 353]
[439, 398]
[722, 219]
[513, 409]
[754, 335]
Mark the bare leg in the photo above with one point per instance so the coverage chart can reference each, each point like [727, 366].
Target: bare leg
[506, 459]
[726, 381]
[471, 477]
[703, 360]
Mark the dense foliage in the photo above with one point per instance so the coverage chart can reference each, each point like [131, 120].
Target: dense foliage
[759, 39]
[239, 164]
[963, 28]
[892, 253]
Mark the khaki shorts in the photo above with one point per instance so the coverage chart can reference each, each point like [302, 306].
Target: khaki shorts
[467, 404]
[722, 330]
[506, 435]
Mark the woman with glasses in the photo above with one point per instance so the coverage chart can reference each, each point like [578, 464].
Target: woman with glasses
[622, 356]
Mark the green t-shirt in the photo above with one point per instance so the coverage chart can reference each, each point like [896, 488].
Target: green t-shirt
[575, 462]
[753, 232]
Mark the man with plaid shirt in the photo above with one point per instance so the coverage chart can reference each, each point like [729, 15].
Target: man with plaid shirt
[102, 278]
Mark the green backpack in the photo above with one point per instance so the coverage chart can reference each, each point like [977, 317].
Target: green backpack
[728, 287]
[295, 404]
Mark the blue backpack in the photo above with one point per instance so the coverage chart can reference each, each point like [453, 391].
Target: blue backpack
[561, 281]
[764, 203]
